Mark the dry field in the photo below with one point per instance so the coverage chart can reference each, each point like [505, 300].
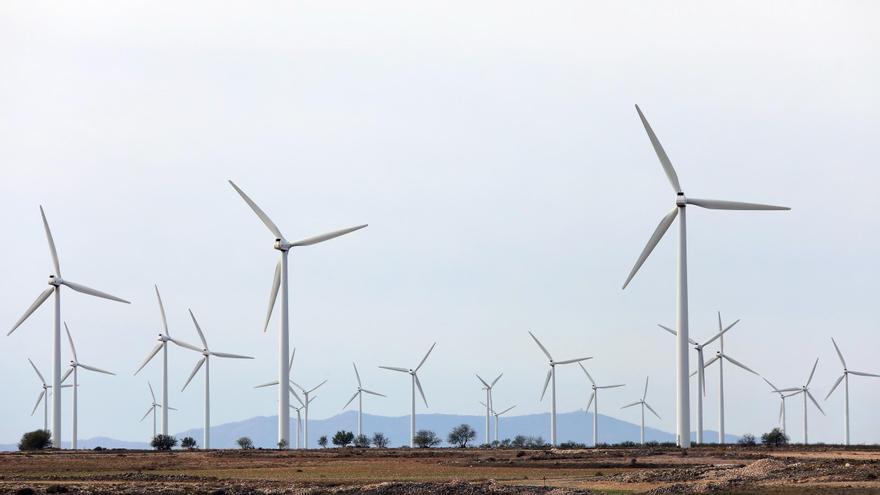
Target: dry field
[447, 471]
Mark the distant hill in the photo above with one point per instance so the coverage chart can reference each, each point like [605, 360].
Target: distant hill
[572, 426]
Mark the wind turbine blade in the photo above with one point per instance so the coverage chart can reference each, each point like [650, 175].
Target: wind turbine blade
[169, 408]
[506, 410]
[265, 218]
[228, 355]
[734, 361]
[185, 345]
[273, 296]
[792, 395]
[147, 414]
[295, 395]
[815, 402]
[483, 381]
[543, 349]
[710, 362]
[792, 389]
[326, 237]
[719, 334]
[630, 405]
[771, 385]
[52, 249]
[717, 204]
[70, 339]
[298, 386]
[292, 355]
[392, 368]
[810, 379]
[781, 411]
[316, 386]
[419, 386]
[34, 366]
[161, 310]
[661, 229]
[834, 387]
[588, 374]
[661, 153]
[96, 370]
[839, 354]
[33, 307]
[576, 360]
[701, 370]
[198, 329]
[66, 374]
[353, 397]
[673, 332]
[862, 373]
[372, 393]
[546, 382]
[268, 384]
[357, 375]
[590, 403]
[496, 380]
[613, 386]
[151, 392]
[149, 357]
[39, 399]
[92, 292]
[652, 410]
[426, 357]
[646, 388]
[194, 371]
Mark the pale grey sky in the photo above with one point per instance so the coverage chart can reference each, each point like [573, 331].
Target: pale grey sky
[493, 148]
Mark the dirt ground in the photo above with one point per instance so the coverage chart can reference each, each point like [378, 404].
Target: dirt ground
[812, 470]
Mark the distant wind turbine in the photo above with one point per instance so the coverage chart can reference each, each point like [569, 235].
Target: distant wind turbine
[682, 409]
[488, 388]
[306, 403]
[806, 391]
[74, 365]
[44, 396]
[594, 400]
[359, 395]
[413, 373]
[299, 424]
[644, 405]
[845, 379]
[154, 405]
[782, 397]
[497, 415]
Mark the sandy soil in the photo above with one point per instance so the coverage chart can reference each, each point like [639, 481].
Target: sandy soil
[447, 471]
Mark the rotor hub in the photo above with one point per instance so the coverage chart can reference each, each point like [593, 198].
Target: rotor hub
[56, 281]
[281, 245]
[680, 200]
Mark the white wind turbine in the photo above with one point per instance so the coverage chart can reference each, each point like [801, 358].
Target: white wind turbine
[497, 416]
[55, 281]
[280, 282]
[594, 400]
[701, 386]
[644, 405]
[299, 418]
[488, 388]
[720, 357]
[206, 361]
[164, 338]
[359, 394]
[153, 406]
[44, 396]
[305, 404]
[74, 366]
[845, 379]
[551, 376]
[806, 391]
[413, 373]
[782, 397]
[682, 391]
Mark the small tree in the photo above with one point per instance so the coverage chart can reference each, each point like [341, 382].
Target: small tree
[362, 441]
[775, 438]
[747, 440]
[380, 441]
[245, 443]
[342, 438]
[282, 444]
[426, 438]
[188, 443]
[461, 435]
[35, 440]
[322, 441]
[163, 442]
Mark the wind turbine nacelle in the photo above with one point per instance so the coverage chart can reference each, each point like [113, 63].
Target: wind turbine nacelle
[56, 281]
[680, 200]
[281, 245]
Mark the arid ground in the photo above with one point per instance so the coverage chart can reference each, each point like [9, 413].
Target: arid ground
[794, 470]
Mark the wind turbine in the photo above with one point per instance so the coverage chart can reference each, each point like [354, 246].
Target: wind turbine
[701, 372]
[359, 394]
[44, 396]
[305, 404]
[74, 366]
[720, 356]
[551, 376]
[845, 379]
[153, 406]
[682, 391]
[299, 418]
[164, 339]
[55, 281]
[594, 400]
[497, 415]
[488, 388]
[413, 373]
[206, 361]
[280, 282]
[782, 398]
[806, 391]
[644, 405]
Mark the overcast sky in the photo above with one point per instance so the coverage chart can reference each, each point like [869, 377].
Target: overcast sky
[495, 152]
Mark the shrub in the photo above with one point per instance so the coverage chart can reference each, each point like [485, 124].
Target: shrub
[425, 439]
[505, 443]
[188, 443]
[774, 438]
[380, 440]
[461, 435]
[628, 444]
[747, 440]
[572, 445]
[322, 441]
[522, 441]
[282, 444]
[245, 443]
[362, 441]
[35, 440]
[163, 442]
[342, 438]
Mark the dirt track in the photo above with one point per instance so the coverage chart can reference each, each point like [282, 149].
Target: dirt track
[447, 471]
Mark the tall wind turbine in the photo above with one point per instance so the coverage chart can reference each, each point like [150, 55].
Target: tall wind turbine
[164, 338]
[720, 357]
[594, 400]
[701, 372]
[845, 379]
[55, 281]
[280, 282]
[74, 366]
[44, 396]
[488, 388]
[153, 406]
[305, 402]
[644, 405]
[359, 394]
[806, 391]
[682, 409]
[206, 361]
[551, 376]
[413, 373]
